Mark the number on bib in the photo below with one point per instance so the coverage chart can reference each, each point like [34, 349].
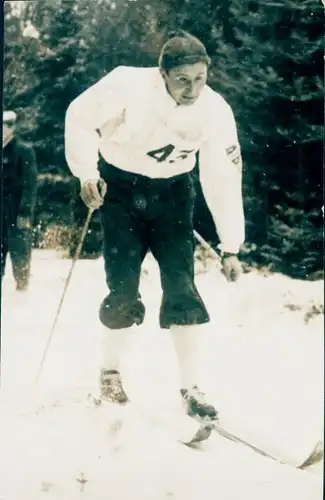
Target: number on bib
[162, 154]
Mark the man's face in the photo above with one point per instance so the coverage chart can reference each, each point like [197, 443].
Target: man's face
[185, 83]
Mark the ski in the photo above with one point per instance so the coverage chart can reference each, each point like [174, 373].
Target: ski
[183, 428]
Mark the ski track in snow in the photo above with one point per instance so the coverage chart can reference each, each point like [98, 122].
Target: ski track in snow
[261, 365]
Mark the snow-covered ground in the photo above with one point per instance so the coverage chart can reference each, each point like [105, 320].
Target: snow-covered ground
[262, 365]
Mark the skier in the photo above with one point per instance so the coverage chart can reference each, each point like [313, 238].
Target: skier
[19, 182]
[131, 139]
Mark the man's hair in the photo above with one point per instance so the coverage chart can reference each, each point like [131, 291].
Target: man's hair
[182, 48]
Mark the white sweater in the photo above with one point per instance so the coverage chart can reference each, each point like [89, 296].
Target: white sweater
[129, 117]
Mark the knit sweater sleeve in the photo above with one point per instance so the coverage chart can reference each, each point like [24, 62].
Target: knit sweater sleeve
[102, 102]
[221, 178]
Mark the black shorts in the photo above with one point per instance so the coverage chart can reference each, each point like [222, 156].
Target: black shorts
[141, 214]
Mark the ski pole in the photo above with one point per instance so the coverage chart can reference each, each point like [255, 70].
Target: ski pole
[206, 245]
[74, 260]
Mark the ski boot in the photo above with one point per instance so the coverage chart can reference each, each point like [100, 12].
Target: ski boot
[197, 408]
[111, 388]
[21, 286]
[196, 405]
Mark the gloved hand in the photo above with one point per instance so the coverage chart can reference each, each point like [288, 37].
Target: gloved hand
[231, 266]
[23, 222]
[93, 192]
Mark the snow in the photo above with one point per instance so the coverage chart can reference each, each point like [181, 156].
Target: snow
[261, 364]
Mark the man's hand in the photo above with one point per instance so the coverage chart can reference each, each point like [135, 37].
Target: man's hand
[232, 268]
[23, 222]
[93, 193]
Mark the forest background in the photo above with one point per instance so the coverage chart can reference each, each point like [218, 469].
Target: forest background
[267, 61]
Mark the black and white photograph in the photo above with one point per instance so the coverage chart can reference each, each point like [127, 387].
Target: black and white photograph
[162, 250]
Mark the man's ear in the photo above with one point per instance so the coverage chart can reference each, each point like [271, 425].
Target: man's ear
[163, 73]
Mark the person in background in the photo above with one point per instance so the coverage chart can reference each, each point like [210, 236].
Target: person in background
[132, 140]
[19, 188]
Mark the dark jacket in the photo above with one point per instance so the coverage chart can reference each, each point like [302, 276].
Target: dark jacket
[19, 178]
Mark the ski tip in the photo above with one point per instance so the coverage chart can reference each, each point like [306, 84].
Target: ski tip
[315, 457]
[202, 434]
